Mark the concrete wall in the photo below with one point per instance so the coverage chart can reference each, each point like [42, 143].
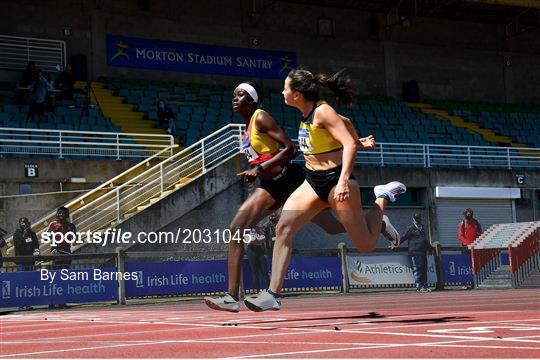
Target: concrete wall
[54, 175]
[464, 64]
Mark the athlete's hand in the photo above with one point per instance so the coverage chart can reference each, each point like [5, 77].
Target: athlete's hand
[249, 175]
[367, 143]
[341, 191]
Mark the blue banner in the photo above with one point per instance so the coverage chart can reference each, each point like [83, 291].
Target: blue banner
[177, 277]
[305, 272]
[44, 287]
[457, 268]
[504, 259]
[196, 58]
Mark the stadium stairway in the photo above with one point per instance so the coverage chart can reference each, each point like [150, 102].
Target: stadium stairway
[499, 279]
[519, 239]
[121, 113]
[93, 196]
[471, 127]
[130, 200]
[168, 193]
[532, 281]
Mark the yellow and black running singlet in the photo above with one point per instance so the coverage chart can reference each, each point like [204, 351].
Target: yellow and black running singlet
[258, 147]
[313, 139]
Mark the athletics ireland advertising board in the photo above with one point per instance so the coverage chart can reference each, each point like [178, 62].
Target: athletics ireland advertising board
[384, 270]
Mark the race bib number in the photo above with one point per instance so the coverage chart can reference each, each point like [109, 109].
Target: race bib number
[303, 140]
[250, 153]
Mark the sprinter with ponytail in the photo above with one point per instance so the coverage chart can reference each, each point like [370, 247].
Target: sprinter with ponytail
[329, 149]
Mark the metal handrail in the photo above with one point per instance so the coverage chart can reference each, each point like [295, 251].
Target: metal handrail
[81, 143]
[25, 53]
[157, 171]
[110, 208]
[41, 224]
[432, 155]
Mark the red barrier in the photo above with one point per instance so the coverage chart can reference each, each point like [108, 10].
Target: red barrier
[520, 253]
[481, 257]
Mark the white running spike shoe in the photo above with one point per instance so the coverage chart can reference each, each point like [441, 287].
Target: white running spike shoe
[390, 190]
[223, 303]
[389, 231]
[262, 302]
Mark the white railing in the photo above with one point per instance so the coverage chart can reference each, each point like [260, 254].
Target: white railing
[180, 169]
[61, 143]
[16, 52]
[115, 204]
[42, 224]
[68, 143]
[428, 156]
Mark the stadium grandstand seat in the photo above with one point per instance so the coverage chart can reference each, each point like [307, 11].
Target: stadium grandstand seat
[201, 109]
[67, 116]
[520, 122]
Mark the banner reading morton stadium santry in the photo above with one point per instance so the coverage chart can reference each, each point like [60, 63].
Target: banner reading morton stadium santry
[131, 52]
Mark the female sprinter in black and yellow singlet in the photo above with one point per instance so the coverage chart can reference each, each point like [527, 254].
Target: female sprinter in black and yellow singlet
[329, 149]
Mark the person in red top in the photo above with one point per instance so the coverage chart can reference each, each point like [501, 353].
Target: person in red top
[469, 229]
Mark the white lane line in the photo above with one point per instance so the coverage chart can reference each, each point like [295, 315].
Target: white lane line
[426, 344]
[122, 345]
[449, 323]
[57, 329]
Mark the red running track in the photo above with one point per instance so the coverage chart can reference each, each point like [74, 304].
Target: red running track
[448, 324]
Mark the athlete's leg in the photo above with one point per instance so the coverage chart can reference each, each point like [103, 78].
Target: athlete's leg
[298, 210]
[256, 207]
[328, 222]
[363, 230]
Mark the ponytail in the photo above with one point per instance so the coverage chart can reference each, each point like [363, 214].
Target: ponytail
[340, 85]
[309, 85]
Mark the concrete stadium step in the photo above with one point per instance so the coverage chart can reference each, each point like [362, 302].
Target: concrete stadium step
[165, 193]
[115, 100]
[181, 183]
[145, 127]
[495, 285]
[129, 120]
[117, 106]
[498, 279]
[532, 280]
[500, 276]
[471, 127]
[144, 130]
[128, 215]
[123, 114]
[103, 92]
